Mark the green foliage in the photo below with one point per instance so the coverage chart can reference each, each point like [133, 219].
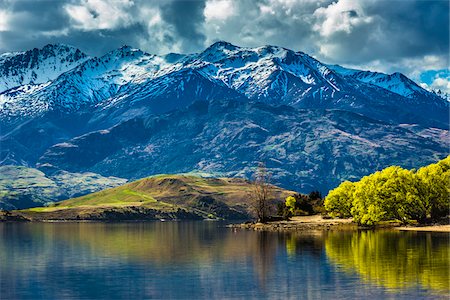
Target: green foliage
[315, 195]
[339, 201]
[394, 194]
[290, 203]
[304, 205]
[435, 188]
[301, 205]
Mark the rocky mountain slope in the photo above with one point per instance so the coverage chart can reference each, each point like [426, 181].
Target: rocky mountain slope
[22, 187]
[131, 114]
[305, 149]
[37, 66]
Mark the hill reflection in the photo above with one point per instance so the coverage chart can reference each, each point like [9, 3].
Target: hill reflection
[207, 260]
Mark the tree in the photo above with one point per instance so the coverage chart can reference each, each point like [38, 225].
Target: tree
[435, 189]
[390, 194]
[290, 203]
[315, 195]
[261, 193]
[394, 194]
[339, 201]
[303, 205]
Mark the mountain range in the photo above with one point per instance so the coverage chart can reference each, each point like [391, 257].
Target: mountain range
[131, 114]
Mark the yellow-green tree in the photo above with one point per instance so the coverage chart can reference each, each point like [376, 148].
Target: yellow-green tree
[390, 194]
[394, 194]
[290, 203]
[435, 188]
[339, 201]
[366, 207]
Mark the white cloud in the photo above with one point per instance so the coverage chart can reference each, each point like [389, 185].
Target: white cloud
[218, 10]
[441, 82]
[4, 20]
[100, 14]
[341, 16]
[266, 9]
[380, 35]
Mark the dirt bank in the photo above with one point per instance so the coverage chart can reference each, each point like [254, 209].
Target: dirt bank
[434, 228]
[318, 222]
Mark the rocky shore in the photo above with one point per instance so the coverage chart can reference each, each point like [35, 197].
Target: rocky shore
[317, 222]
[300, 223]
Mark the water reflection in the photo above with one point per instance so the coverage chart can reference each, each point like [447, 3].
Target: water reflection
[207, 260]
[396, 260]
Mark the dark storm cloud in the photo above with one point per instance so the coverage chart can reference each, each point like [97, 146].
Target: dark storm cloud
[399, 35]
[38, 15]
[394, 30]
[31, 19]
[106, 39]
[186, 17]
[36, 23]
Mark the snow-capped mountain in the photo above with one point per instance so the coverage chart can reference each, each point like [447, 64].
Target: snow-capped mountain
[90, 82]
[38, 65]
[395, 82]
[442, 94]
[111, 114]
[130, 78]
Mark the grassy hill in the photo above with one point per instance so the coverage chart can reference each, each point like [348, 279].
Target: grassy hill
[159, 197]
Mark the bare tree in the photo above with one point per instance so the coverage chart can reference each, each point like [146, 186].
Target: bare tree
[261, 193]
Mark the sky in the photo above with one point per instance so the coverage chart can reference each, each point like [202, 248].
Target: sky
[408, 36]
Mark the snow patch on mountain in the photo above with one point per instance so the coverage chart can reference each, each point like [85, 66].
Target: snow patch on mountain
[269, 74]
[38, 65]
[395, 82]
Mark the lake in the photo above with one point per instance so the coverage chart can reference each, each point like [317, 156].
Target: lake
[204, 260]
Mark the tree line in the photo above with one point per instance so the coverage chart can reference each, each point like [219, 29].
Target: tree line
[394, 194]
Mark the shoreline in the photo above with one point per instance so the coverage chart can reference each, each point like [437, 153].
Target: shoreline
[431, 228]
[300, 223]
[317, 222]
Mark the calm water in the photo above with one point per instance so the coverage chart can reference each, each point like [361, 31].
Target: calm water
[204, 260]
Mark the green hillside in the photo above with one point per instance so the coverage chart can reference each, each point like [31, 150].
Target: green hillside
[159, 197]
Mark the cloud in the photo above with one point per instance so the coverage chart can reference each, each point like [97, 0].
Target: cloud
[382, 30]
[407, 36]
[218, 10]
[4, 20]
[440, 81]
[186, 18]
[442, 84]
[340, 17]
[256, 23]
[100, 14]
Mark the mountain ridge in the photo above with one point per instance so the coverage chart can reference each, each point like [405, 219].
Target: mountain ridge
[230, 137]
[37, 66]
[131, 114]
[269, 74]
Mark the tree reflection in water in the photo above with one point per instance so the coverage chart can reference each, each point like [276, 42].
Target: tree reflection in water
[207, 260]
[264, 256]
[393, 259]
